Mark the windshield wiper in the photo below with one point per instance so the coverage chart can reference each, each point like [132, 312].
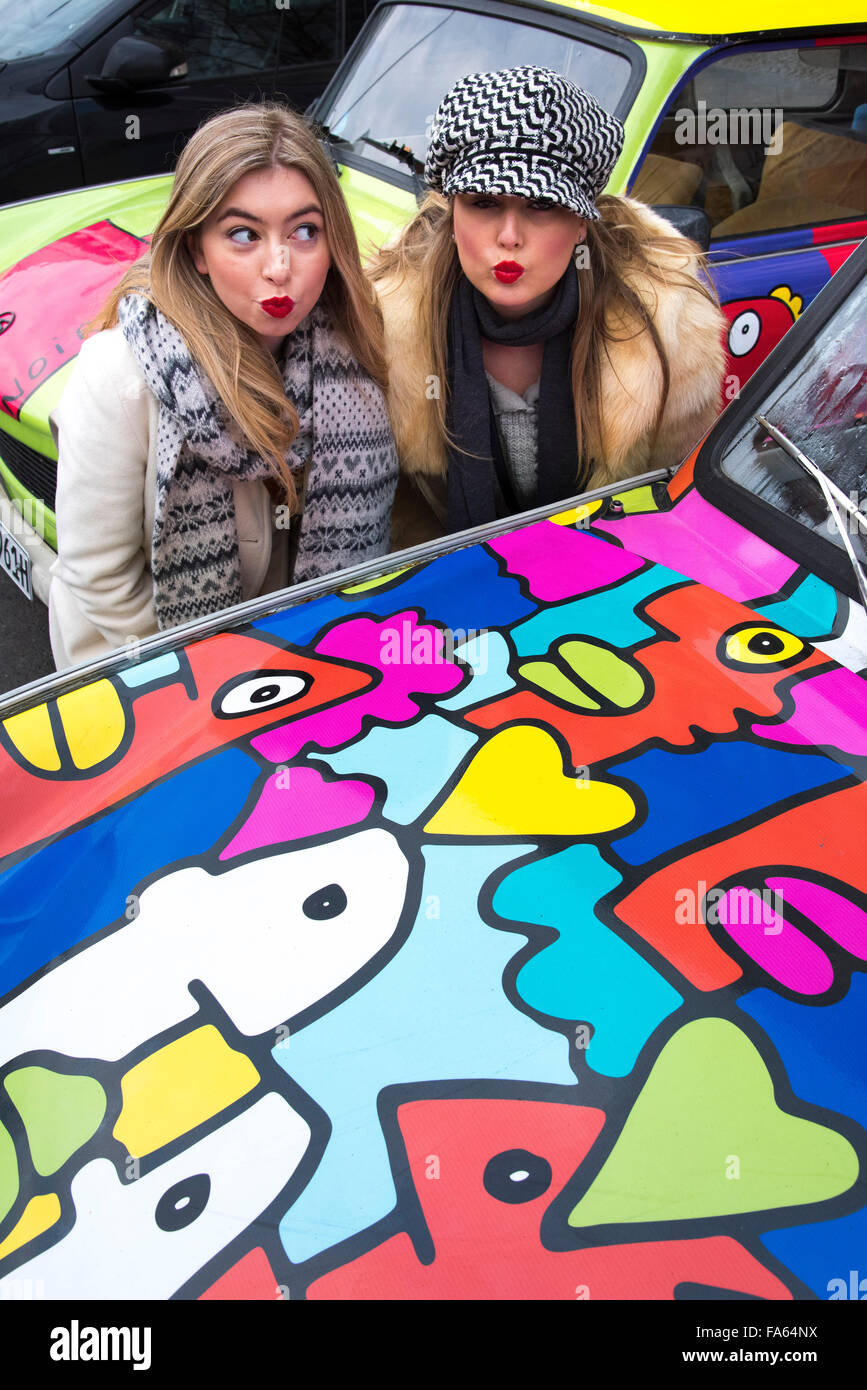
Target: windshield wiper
[402, 153]
[833, 496]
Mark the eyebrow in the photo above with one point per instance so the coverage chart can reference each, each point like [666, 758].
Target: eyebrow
[251, 216]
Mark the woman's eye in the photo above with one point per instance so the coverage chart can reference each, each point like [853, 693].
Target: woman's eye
[242, 236]
[483, 202]
[308, 231]
[540, 205]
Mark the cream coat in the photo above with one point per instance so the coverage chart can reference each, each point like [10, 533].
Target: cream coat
[101, 593]
[691, 330]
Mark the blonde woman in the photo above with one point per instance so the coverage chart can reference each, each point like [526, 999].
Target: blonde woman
[541, 339]
[226, 433]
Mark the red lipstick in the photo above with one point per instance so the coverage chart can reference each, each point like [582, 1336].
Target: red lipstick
[277, 308]
[507, 272]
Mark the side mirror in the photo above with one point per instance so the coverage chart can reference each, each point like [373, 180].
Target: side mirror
[692, 222]
[135, 63]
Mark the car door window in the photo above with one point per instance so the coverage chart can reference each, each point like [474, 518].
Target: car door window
[218, 38]
[766, 140]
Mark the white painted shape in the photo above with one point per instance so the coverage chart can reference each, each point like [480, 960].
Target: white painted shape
[116, 1250]
[242, 932]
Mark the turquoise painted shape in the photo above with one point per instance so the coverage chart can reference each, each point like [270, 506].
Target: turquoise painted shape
[609, 616]
[414, 762]
[147, 671]
[809, 612]
[588, 972]
[488, 654]
[435, 1012]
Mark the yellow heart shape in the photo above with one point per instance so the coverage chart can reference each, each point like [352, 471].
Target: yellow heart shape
[515, 785]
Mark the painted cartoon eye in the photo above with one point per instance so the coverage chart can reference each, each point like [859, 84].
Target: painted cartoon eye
[325, 903]
[516, 1176]
[760, 645]
[258, 690]
[744, 333]
[183, 1203]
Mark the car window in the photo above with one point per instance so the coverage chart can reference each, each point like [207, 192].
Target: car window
[26, 29]
[218, 38]
[821, 405]
[766, 140]
[419, 51]
[310, 32]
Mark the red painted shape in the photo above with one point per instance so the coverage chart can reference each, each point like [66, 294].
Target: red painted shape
[169, 731]
[691, 686]
[824, 836]
[836, 255]
[251, 1279]
[53, 293]
[775, 318]
[486, 1248]
[838, 231]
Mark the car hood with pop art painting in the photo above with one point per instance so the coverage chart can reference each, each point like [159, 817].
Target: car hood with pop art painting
[489, 922]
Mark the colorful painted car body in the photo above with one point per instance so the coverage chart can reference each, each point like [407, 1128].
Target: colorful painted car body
[763, 128]
[489, 926]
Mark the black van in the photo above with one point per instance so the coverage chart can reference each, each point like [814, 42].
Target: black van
[98, 91]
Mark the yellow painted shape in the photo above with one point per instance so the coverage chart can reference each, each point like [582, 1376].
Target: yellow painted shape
[38, 1215]
[568, 518]
[376, 583]
[94, 722]
[740, 16]
[180, 1086]
[515, 785]
[32, 735]
[637, 500]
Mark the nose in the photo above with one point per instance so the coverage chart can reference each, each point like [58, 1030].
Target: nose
[277, 267]
[510, 233]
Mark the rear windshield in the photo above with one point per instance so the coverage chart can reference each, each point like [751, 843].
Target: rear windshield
[417, 52]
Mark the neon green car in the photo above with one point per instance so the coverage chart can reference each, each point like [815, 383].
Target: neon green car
[758, 136]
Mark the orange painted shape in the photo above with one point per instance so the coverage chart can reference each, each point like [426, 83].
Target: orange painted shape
[170, 730]
[684, 477]
[824, 835]
[692, 687]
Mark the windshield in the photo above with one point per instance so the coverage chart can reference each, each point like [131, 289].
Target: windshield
[821, 404]
[31, 27]
[400, 76]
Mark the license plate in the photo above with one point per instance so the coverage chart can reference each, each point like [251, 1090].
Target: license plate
[15, 562]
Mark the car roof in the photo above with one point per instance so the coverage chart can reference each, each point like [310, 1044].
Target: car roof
[739, 18]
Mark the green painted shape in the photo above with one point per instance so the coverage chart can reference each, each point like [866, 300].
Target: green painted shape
[620, 681]
[638, 500]
[706, 1111]
[60, 1112]
[550, 678]
[8, 1171]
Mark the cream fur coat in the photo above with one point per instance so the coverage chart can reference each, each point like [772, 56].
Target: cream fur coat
[690, 328]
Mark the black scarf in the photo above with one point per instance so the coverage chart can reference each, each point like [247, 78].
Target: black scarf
[475, 455]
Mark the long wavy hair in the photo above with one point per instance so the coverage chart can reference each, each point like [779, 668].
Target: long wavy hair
[620, 251]
[244, 373]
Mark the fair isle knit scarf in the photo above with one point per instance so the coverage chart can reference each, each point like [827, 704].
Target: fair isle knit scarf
[344, 432]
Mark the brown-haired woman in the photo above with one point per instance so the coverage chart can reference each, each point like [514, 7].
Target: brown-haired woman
[539, 342]
[241, 365]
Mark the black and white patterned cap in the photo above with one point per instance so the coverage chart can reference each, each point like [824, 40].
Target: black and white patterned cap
[525, 131]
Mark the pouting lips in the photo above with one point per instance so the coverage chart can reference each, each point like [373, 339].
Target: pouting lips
[508, 272]
[278, 308]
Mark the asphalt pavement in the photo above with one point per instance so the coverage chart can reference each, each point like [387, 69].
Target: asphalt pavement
[25, 651]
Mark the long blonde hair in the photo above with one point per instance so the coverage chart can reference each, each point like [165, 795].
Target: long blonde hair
[242, 370]
[620, 252]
